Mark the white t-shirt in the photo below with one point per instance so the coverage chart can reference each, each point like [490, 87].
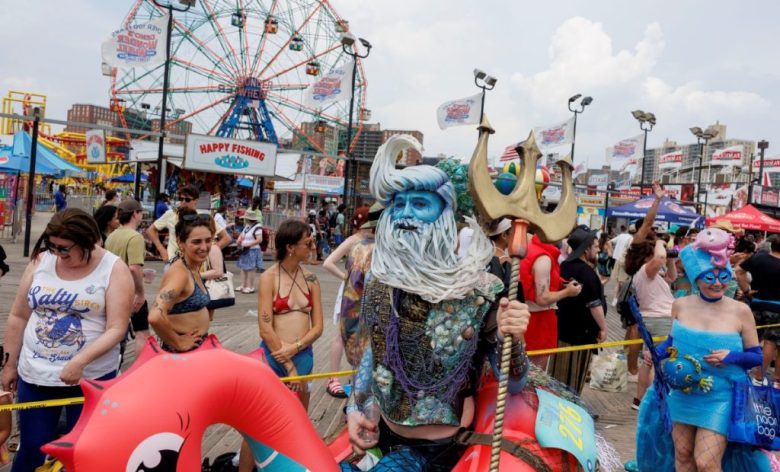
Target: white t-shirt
[219, 220]
[67, 316]
[252, 234]
[620, 245]
[168, 220]
[653, 295]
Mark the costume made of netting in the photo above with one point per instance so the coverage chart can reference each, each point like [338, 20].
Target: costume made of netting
[424, 359]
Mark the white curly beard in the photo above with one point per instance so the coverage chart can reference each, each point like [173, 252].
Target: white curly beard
[421, 258]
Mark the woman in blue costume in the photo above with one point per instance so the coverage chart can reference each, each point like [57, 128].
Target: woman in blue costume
[719, 335]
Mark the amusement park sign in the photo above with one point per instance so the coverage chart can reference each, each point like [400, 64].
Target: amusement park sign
[229, 156]
[140, 44]
[96, 146]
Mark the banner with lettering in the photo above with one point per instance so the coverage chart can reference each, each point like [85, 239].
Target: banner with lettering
[730, 156]
[555, 135]
[626, 155]
[229, 156]
[137, 45]
[670, 161]
[464, 111]
[332, 87]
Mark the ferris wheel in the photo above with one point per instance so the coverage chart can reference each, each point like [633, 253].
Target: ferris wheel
[239, 69]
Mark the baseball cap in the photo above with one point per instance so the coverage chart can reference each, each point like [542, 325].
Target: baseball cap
[129, 205]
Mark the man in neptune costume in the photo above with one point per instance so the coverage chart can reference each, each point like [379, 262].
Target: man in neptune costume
[430, 319]
[712, 346]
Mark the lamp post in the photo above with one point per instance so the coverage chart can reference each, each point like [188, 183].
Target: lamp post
[646, 123]
[702, 137]
[31, 180]
[169, 6]
[574, 108]
[610, 188]
[485, 82]
[350, 168]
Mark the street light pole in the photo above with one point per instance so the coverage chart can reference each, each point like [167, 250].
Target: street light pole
[577, 110]
[762, 145]
[171, 9]
[485, 82]
[350, 167]
[646, 123]
[702, 137]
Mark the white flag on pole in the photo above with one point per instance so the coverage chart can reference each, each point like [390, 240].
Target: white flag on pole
[137, 45]
[730, 156]
[626, 155]
[670, 161]
[464, 111]
[555, 135]
[332, 87]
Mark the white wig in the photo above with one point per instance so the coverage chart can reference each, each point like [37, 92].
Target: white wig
[386, 180]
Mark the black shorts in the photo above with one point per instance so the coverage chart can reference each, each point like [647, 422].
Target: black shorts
[140, 319]
[765, 317]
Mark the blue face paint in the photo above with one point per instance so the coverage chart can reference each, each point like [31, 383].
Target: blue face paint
[710, 277]
[419, 205]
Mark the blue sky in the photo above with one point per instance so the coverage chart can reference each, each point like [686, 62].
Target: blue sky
[689, 62]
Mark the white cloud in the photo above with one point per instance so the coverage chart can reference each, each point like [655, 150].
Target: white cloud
[582, 58]
[692, 98]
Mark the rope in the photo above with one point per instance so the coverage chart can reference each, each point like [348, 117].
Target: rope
[346, 373]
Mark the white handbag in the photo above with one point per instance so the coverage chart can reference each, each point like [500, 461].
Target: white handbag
[221, 291]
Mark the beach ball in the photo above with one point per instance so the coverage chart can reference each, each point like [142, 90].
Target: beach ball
[512, 168]
[506, 182]
[542, 179]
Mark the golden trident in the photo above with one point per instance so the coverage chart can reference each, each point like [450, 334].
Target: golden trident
[522, 206]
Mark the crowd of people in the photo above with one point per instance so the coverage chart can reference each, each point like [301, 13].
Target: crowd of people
[62, 329]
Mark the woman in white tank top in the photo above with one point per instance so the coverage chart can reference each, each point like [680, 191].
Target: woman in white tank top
[60, 328]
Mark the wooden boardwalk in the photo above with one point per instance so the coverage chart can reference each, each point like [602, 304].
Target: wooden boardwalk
[236, 327]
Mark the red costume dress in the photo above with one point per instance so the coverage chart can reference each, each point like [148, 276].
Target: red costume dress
[543, 327]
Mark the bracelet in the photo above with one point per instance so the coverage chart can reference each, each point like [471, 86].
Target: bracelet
[298, 345]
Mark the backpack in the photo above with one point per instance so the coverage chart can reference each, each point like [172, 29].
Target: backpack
[623, 306]
[266, 239]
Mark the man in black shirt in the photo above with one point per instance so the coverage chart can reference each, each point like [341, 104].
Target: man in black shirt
[581, 319]
[764, 295]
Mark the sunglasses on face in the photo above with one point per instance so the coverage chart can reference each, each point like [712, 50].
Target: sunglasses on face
[197, 217]
[186, 199]
[709, 278]
[57, 249]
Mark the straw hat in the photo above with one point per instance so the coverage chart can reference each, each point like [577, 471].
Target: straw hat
[727, 226]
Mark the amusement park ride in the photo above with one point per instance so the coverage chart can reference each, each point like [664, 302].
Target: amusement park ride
[240, 70]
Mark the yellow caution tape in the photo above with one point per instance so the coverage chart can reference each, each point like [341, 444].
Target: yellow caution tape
[345, 373]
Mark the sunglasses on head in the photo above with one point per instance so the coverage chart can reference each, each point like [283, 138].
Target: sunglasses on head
[57, 249]
[196, 217]
[186, 199]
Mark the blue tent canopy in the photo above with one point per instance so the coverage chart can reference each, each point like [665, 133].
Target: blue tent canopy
[128, 178]
[669, 210]
[16, 164]
[244, 182]
[22, 149]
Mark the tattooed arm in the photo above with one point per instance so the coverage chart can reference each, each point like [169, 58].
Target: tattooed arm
[172, 287]
[544, 297]
[265, 312]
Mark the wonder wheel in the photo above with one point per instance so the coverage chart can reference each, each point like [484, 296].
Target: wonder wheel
[239, 68]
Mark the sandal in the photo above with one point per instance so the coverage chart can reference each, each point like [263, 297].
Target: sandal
[335, 389]
[248, 290]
